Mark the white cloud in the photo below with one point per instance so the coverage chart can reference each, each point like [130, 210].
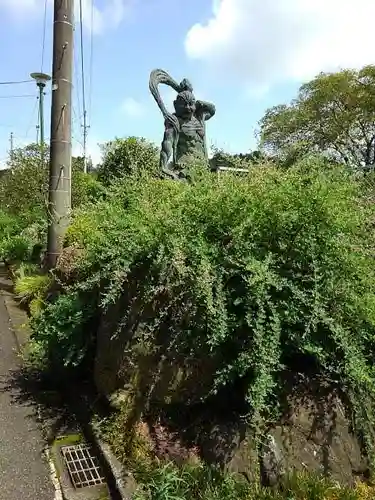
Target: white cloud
[107, 17]
[270, 41]
[20, 7]
[132, 108]
[100, 19]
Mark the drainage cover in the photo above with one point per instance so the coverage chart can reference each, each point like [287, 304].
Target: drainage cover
[83, 465]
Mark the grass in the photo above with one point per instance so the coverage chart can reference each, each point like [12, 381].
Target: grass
[199, 482]
[195, 480]
[31, 288]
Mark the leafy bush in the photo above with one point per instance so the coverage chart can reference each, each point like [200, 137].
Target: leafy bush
[24, 186]
[61, 330]
[25, 269]
[14, 249]
[9, 225]
[124, 157]
[32, 290]
[85, 189]
[257, 275]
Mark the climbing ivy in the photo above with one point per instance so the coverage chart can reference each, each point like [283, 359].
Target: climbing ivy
[253, 276]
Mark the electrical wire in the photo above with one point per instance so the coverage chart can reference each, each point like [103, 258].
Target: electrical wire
[15, 83]
[16, 96]
[91, 59]
[77, 83]
[82, 58]
[31, 122]
[76, 129]
[44, 35]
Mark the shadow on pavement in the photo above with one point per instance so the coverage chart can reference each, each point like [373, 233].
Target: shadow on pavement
[45, 398]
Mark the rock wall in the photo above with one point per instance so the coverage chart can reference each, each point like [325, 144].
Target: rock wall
[313, 433]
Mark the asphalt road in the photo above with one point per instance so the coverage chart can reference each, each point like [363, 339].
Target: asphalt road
[24, 474]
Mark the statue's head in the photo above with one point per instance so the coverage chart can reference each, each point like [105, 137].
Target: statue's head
[184, 104]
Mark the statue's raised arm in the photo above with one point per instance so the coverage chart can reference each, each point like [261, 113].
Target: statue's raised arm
[205, 110]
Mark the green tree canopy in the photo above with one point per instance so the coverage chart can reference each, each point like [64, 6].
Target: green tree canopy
[127, 156]
[240, 160]
[334, 115]
[24, 185]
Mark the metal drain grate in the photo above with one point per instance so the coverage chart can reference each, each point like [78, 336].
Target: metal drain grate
[83, 465]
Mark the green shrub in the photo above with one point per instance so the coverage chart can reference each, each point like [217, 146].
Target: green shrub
[86, 189]
[9, 225]
[125, 157]
[32, 291]
[61, 330]
[25, 269]
[259, 275]
[18, 241]
[15, 249]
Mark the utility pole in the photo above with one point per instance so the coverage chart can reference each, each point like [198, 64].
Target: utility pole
[41, 81]
[61, 125]
[11, 140]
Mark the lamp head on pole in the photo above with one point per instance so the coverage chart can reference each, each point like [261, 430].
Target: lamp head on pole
[40, 78]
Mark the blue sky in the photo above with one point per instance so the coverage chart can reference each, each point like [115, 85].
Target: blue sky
[243, 55]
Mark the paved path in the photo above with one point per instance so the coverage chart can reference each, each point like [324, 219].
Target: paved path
[24, 474]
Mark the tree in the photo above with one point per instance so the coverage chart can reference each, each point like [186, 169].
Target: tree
[334, 115]
[24, 185]
[240, 161]
[123, 157]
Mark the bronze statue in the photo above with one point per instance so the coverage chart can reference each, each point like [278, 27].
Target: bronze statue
[184, 130]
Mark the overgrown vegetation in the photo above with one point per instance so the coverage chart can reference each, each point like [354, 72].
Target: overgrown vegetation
[333, 115]
[161, 479]
[233, 281]
[130, 156]
[198, 482]
[259, 276]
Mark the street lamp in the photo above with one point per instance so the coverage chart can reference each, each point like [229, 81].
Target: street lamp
[41, 81]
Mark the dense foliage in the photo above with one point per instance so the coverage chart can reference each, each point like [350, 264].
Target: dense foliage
[123, 157]
[196, 482]
[241, 161]
[333, 114]
[252, 277]
[24, 200]
[261, 275]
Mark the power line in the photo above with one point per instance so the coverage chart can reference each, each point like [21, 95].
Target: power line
[77, 86]
[82, 55]
[16, 96]
[44, 35]
[91, 59]
[83, 82]
[32, 117]
[15, 83]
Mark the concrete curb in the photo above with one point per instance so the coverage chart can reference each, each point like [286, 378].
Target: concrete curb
[120, 482]
[116, 473]
[117, 469]
[18, 318]
[53, 475]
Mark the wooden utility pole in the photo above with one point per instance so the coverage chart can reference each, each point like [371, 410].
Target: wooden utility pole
[61, 124]
[11, 145]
